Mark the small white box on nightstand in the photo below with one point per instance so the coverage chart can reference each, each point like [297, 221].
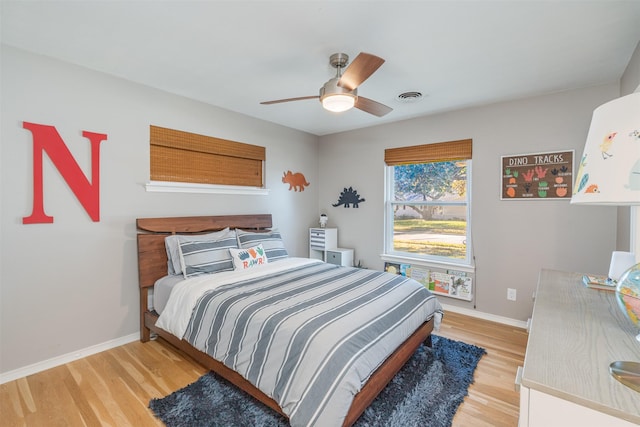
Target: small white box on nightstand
[340, 256]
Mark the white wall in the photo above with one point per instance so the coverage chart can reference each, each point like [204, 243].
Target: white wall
[512, 240]
[73, 284]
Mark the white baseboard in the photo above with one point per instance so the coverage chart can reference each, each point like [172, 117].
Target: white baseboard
[70, 357]
[486, 316]
[66, 358]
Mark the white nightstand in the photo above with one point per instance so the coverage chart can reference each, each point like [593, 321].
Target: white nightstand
[321, 239]
[340, 256]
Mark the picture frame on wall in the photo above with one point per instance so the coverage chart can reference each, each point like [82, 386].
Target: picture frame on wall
[537, 176]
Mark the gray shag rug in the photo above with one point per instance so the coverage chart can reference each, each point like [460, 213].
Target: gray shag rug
[426, 392]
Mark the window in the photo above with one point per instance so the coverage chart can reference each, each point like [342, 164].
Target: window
[427, 215]
[183, 157]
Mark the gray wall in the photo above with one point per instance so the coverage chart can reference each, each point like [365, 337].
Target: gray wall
[512, 239]
[630, 81]
[73, 284]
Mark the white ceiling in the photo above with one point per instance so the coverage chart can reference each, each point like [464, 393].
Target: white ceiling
[235, 54]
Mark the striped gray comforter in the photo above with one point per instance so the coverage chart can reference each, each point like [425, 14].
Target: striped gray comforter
[311, 334]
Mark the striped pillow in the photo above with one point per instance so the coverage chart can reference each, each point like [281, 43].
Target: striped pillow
[271, 241]
[172, 244]
[207, 256]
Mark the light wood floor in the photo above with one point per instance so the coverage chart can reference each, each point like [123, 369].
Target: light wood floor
[113, 388]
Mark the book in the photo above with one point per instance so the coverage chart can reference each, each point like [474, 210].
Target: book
[461, 287]
[598, 282]
[392, 267]
[405, 270]
[421, 275]
[441, 282]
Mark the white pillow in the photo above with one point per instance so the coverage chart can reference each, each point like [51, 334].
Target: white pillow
[271, 241]
[172, 245]
[244, 259]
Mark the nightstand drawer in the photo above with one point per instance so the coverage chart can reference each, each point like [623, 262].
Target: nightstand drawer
[340, 256]
[317, 238]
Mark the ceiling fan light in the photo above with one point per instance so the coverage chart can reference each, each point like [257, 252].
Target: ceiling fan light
[338, 103]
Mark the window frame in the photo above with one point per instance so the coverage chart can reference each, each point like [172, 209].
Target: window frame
[416, 153]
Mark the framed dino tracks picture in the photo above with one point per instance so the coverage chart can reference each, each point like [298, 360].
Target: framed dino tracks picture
[537, 176]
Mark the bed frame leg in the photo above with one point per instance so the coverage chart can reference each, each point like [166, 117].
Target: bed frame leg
[145, 333]
[428, 342]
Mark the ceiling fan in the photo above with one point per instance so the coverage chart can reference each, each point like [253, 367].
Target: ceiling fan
[341, 92]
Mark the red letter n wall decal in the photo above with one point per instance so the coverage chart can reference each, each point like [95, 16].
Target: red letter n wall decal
[46, 139]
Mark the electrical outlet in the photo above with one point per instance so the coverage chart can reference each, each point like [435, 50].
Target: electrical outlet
[511, 294]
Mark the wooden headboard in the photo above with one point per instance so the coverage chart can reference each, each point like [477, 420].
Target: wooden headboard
[152, 255]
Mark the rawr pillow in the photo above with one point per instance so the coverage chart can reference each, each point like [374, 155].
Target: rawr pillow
[271, 241]
[244, 259]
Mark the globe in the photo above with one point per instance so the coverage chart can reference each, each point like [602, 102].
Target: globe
[628, 295]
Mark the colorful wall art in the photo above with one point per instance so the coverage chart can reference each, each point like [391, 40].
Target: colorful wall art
[47, 140]
[296, 181]
[349, 197]
[539, 176]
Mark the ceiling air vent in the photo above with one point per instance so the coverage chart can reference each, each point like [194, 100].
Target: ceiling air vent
[408, 97]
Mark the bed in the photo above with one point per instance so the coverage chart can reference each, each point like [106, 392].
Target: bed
[210, 300]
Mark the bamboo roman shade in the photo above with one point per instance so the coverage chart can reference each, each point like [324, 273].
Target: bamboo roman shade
[178, 156]
[438, 152]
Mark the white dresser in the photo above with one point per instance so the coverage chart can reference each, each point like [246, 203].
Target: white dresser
[575, 334]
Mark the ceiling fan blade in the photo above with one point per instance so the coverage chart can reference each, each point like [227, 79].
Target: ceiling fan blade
[360, 70]
[372, 107]
[278, 101]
